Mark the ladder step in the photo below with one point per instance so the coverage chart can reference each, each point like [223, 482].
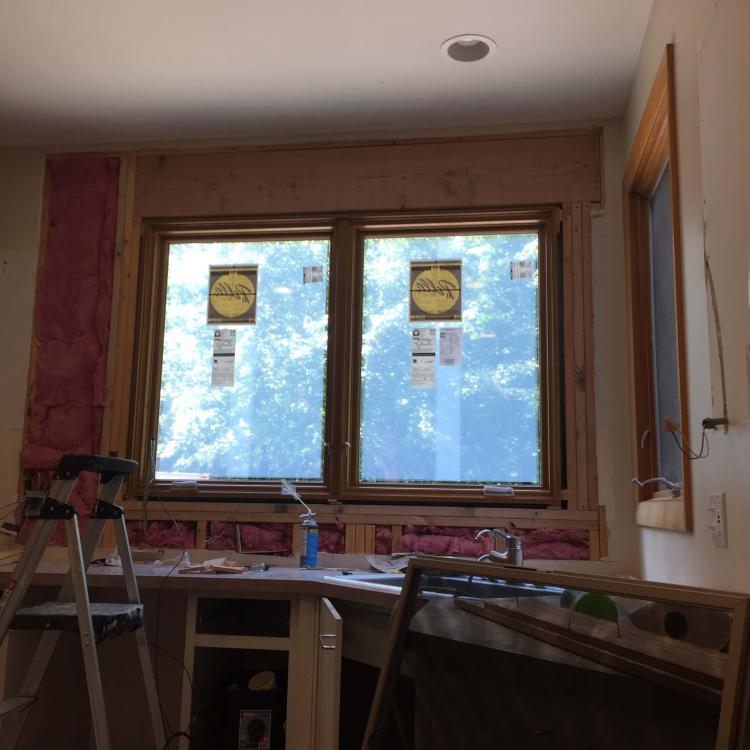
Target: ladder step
[12, 705]
[107, 619]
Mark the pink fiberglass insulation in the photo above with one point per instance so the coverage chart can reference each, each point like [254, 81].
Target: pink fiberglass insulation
[443, 540]
[539, 544]
[162, 534]
[270, 538]
[384, 540]
[332, 538]
[554, 544]
[71, 315]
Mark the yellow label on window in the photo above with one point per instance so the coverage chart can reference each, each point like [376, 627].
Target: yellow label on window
[232, 294]
[435, 288]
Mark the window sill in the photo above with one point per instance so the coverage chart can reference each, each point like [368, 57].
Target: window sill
[663, 511]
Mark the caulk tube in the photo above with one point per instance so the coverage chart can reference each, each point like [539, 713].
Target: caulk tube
[308, 557]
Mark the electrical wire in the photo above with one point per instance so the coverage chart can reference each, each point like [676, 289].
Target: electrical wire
[177, 735]
[9, 513]
[156, 646]
[15, 502]
[717, 325]
[685, 448]
[175, 659]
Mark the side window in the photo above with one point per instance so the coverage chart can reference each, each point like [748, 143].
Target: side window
[660, 425]
[666, 381]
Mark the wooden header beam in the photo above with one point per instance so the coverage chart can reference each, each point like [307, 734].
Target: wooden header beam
[511, 170]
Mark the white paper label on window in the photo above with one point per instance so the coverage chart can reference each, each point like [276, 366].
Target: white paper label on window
[222, 367]
[423, 341]
[312, 274]
[423, 358]
[222, 371]
[521, 269]
[225, 341]
[450, 346]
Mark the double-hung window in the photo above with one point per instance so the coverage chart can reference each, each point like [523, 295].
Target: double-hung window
[375, 358]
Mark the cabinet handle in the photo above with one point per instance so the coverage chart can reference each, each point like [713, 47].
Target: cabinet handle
[326, 635]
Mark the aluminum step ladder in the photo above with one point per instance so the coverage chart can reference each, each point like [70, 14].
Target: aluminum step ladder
[73, 611]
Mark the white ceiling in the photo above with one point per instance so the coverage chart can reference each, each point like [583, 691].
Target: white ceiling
[93, 71]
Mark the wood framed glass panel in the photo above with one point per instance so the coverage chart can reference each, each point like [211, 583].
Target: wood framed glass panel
[233, 427]
[484, 414]
[660, 423]
[559, 660]
[321, 388]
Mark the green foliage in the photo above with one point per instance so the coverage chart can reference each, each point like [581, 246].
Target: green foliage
[481, 421]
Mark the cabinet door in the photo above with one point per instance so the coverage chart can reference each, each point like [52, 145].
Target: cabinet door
[328, 687]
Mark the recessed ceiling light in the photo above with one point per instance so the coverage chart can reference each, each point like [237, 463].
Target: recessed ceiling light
[468, 47]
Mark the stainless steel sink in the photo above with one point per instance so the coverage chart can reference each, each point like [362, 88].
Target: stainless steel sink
[438, 585]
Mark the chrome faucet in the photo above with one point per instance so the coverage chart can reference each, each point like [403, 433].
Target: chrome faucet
[513, 547]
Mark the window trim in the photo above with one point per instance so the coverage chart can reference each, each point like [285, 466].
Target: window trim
[655, 145]
[344, 319]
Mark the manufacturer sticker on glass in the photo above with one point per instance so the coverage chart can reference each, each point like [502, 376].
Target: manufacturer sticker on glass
[232, 294]
[435, 290]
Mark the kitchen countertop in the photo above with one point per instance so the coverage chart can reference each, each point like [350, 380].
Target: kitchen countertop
[285, 577]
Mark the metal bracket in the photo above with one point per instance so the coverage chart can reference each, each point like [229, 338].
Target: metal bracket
[56, 510]
[106, 511]
[322, 644]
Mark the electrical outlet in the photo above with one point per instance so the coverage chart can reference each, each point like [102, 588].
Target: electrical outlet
[717, 507]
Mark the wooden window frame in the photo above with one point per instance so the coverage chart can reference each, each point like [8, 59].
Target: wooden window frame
[537, 221]
[565, 229]
[654, 147]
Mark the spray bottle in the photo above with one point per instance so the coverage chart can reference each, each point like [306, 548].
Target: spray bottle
[308, 557]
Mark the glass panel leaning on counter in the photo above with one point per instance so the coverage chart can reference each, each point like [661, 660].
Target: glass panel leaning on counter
[480, 651]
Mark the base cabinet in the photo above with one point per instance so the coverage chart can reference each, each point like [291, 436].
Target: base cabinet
[230, 639]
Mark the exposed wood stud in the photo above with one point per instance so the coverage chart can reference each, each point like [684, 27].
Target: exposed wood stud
[296, 539]
[201, 531]
[396, 531]
[369, 539]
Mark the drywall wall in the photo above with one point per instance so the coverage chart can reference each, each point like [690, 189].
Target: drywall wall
[609, 335]
[713, 121]
[21, 177]
[610, 362]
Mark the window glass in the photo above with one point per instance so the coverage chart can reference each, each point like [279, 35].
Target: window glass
[261, 415]
[664, 332]
[474, 416]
